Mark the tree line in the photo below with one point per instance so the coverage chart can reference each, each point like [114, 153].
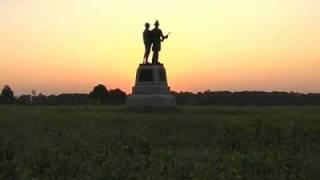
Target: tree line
[247, 98]
[101, 95]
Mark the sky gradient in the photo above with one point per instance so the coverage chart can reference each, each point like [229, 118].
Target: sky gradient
[70, 46]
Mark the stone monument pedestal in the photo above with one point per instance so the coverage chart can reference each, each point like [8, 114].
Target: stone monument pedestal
[151, 90]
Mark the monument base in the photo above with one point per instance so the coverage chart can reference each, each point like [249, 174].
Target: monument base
[151, 101]
[151, 90]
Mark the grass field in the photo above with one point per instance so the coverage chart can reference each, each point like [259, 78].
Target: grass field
[100, 142]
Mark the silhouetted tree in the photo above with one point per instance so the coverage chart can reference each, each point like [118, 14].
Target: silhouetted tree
[7, 95]
[99, 93]
[116, 96]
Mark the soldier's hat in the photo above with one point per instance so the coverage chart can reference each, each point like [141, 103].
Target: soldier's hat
[156, 23]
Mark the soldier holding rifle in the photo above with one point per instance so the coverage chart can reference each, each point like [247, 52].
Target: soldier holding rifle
[156, 37]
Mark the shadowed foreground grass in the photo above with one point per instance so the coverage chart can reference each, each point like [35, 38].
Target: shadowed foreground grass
[80, 142]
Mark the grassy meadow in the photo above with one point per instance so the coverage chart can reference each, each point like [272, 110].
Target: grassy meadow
[108, 142]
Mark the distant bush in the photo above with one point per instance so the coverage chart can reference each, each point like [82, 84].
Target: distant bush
[116, 96]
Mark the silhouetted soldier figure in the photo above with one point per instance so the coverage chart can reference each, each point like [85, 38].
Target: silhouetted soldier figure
[147, 39]
[157, 38]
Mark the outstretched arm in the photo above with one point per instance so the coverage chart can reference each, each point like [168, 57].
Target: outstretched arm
[164, 37]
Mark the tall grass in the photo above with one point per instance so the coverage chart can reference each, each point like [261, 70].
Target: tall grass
[98, 142]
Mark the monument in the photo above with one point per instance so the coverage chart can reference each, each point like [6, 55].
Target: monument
[151, 90]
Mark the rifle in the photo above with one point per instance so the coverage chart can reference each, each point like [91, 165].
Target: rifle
[168, 34]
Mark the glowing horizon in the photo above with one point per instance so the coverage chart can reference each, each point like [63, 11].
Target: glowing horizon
[69, 46]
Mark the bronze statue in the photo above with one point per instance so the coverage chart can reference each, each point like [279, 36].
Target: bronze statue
[147, 39]
[153, 38]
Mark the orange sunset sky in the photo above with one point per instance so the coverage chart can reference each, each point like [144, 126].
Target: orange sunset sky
[64, 46]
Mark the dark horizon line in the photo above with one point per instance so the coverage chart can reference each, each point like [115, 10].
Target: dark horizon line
[193, 92]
